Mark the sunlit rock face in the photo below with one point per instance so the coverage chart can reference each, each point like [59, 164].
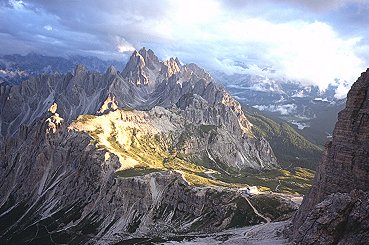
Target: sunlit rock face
[104, 157]
[183, 90]
[336, 208]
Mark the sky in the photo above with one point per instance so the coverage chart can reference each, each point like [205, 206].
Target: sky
[312, 41]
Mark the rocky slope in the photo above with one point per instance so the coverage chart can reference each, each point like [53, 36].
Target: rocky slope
[336, 208]
[60, 188]
[145, 83]
[107, 157]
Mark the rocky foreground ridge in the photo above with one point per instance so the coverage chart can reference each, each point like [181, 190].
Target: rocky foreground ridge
[102, 158]
[336, 210]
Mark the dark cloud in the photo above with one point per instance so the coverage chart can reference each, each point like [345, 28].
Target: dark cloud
[212, 33]
[106, 18]
[80, 26]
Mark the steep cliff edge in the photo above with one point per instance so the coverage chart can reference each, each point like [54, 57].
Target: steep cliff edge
[336, 210]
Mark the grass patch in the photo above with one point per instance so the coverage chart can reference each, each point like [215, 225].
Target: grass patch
[85, 118]
[138, 171]
[295, 181]
[160, 152]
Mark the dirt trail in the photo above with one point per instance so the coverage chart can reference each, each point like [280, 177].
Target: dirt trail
[255, 210]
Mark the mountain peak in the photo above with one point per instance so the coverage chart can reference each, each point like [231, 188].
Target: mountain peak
[170, 67]
[111, 70]
[79, 69]
[133, 69]
[142, 51]
[141, 67]
[149, 57]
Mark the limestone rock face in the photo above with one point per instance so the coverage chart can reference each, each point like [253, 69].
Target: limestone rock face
[144, 84]
[344, 168]
[66, 139]
[341, 218]
[58, 187]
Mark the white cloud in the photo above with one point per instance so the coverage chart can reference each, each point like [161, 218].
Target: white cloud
[311, 53]
[17, 4]
[342, 89]
[124, 46]
[48, 28]
[208, 32]
[282, 109]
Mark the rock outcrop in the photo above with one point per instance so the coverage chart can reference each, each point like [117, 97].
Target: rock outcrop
[336, 208]
[58, 187]
[145, 83]
[102, 158]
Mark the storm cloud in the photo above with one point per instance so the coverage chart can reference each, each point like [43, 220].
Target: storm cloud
[315, 42]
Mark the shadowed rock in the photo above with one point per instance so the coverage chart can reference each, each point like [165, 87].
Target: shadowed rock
[336, 208]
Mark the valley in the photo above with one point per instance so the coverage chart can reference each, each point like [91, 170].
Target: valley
[158, 147]
[184, 122]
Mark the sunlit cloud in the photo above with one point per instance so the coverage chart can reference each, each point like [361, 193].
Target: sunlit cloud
[123, 46]
[306, 41]
[312, 53]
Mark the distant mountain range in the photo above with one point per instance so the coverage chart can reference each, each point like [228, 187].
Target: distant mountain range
[16, 68]
[310, 111]
[252, 91]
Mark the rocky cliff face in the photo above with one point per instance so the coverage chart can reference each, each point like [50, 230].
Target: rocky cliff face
[336, 208]
[101, 158]
[58, 187]
[145, 83]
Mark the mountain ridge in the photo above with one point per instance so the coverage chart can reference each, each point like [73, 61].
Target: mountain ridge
[86, 93]
[90, 157]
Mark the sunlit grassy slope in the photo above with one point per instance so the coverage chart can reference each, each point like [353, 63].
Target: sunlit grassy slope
[143, 149]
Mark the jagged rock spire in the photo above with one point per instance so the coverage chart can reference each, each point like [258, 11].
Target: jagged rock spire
[145, 68]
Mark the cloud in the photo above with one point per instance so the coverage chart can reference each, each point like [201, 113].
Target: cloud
[48, 27]
[124, 46]
[309, 52]
[314, 5]
[342, 88]
[310, 41]
[286, 109]
[312, 53]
